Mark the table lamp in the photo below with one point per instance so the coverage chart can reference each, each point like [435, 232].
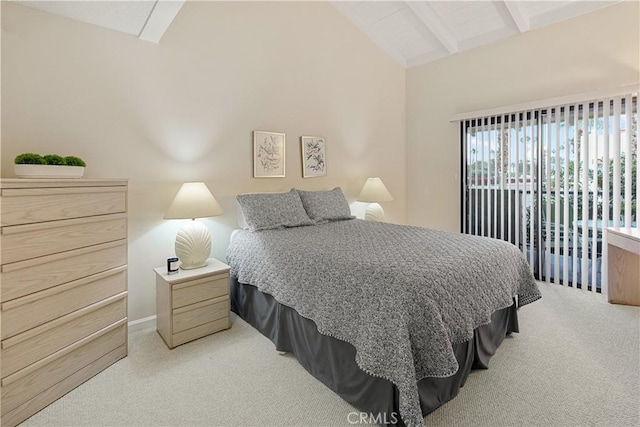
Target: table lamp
[373, 192]
[193, 242]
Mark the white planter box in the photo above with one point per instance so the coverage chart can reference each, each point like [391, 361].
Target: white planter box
[48, 171]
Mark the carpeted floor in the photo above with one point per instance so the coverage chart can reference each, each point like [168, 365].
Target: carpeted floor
[576, 362]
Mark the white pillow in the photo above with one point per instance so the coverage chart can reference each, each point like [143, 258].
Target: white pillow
[242, 223]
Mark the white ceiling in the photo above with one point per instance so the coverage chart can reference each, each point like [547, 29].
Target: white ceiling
[417, 32]
[412, 32]
[146, 19]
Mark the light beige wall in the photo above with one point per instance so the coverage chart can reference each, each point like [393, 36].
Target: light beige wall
[185, 109]
[592, 52]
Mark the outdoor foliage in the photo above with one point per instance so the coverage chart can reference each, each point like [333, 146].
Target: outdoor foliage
[558, 180]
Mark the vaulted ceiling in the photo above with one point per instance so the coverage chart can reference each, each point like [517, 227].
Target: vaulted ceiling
[145, 19]
[417, 32]
[411, 32]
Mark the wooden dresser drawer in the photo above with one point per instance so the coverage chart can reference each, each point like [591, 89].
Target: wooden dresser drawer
[53, 393]
[38, 377]
[32, 205]
[198, 314]
[21, 242]
[27, 312]
[199, 290]
[30, 346]
[26, 277]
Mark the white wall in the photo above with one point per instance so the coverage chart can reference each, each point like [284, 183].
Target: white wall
[185, 109]
[595, 51]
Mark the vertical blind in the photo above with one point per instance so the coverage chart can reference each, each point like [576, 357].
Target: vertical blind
[549, 180]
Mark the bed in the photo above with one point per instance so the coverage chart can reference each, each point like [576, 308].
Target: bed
[392, 318]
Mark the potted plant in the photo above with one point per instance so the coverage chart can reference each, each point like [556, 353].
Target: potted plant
[31, 165]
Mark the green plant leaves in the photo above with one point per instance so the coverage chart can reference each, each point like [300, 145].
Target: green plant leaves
[49, 159]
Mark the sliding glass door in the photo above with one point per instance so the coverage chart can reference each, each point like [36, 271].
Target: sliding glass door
[550, 180]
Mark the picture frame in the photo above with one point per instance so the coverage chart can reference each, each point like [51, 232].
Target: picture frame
[314, 156]
[268, 154]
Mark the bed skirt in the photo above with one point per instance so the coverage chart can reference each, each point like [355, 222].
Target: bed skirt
[332, 361]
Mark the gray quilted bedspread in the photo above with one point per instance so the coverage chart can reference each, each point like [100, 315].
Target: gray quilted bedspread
[401, 295]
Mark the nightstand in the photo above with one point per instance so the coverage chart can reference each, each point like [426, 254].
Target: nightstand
[192, 303]
[624, 265]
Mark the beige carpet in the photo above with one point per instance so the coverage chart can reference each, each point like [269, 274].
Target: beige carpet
[576, 362]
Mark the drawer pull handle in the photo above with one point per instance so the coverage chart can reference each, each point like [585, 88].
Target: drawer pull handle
[196, 282]
[201, 304]
[15, 192]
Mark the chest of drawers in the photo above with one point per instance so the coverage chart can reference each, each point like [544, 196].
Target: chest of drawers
[63, 293]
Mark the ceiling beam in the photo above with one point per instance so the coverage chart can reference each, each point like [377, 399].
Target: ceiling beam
[434, 24]
[159, 19]
[518, 15]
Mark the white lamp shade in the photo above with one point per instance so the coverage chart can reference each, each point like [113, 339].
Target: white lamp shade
[374, 191]
[194, 200]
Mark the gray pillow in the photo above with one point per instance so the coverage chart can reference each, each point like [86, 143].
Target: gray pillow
[322, 206]
[264, 211]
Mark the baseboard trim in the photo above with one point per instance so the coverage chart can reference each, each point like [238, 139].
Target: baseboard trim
[142, 324]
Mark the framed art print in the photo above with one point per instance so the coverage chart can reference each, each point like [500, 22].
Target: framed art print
[268, 154]
[314, 156]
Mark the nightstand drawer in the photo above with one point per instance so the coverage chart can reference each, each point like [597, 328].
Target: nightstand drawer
[201, 331]
[198, 314]
[200, 290]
